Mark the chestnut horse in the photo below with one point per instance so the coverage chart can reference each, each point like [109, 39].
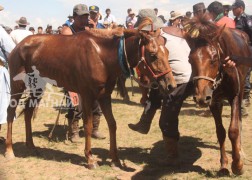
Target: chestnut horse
[87, 63]
[210, 45]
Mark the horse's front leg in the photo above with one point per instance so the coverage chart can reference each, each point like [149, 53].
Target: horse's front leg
[234, 134]
[88, 126]
[105, 104]
[216, 109]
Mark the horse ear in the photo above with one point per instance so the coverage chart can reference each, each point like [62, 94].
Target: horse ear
[144, 37]
[219, 33]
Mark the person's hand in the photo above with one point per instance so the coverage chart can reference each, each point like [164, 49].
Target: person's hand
[229, 63]
[91, 23]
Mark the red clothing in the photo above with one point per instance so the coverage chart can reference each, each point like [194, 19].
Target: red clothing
[226, 20]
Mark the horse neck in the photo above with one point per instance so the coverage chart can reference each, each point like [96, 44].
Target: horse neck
[132, 48]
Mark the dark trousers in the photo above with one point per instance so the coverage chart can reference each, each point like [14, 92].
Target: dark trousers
[247, 85]
[71, 110]
[171, 107]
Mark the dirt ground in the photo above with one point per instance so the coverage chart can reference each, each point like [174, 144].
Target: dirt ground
[140, 154]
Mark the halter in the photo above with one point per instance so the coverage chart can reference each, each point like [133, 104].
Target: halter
[142, 60]
[219, 77]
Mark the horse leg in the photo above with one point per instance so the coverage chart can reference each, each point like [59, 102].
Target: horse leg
[105, 104]
[16, 93]
[31, 104]
[87, 116]
[234, 134]
[216, 109]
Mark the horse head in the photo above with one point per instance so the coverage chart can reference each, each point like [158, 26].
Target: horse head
[154, 59]
[205, 58]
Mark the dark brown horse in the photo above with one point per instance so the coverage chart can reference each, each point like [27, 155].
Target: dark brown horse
[86, 63]
[209, 47]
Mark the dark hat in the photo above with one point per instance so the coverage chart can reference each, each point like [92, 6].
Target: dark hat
[31, 29]
[188, 13]
[22, 21]
[69, 16]
[49, 25]
[199, 7]
[1, 8]
[150, 13]
[94, 9]
[238, 3]
[80, 9]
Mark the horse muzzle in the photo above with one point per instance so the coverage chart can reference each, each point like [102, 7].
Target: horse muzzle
[204, 99]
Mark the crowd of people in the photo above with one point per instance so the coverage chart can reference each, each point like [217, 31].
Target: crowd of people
[85, 17]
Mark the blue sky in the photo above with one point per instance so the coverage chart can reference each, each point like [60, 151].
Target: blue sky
[55, 12]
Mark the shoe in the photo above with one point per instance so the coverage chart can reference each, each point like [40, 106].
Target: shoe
[144, 124]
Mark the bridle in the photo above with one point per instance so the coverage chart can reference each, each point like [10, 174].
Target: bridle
[142, 60]
[219, 77]
[146, 66]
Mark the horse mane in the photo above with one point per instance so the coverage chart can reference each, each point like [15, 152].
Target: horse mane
[119, 31]
[201, 28]
[106, 33]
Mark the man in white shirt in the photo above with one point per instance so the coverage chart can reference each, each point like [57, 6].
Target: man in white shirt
[6, 46]
[19, 34]
[110, 18]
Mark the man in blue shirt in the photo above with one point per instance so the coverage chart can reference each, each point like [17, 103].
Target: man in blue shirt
[95, 16]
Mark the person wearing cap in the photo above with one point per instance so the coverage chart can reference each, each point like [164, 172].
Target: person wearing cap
[70, 20]
[188, 14]
[175, 19]
[106, 25]
[80, 16]
[110, 18]
[19, 34]
[172, 103]
[49, 29]
[6, 46]
[216, 13]
[95, 16]
[199, 9]
[81, 23]
[243, 22]
[226, 8]
[131, 20]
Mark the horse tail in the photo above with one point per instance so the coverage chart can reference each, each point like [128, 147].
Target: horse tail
[121, 89]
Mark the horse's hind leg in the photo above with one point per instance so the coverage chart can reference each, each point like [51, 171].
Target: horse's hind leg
[16, 93]
[235, 136]
[105, 104]
[216, 109]
[32, 103]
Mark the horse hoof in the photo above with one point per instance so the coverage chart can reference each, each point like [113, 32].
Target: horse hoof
[92, 166]
[116, 165]
[9, 156]
[237, 170]
[223, 172]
